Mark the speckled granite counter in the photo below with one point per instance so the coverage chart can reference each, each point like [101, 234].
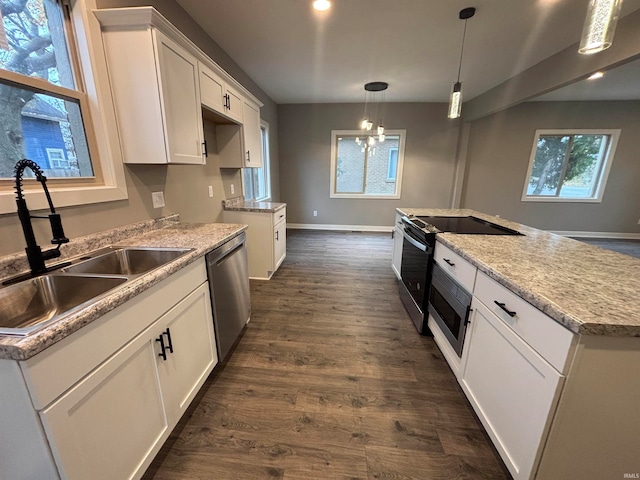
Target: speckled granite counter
[242, 206]
[168, 232]
[589, 290]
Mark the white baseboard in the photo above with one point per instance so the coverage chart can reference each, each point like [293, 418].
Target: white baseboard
[614, 235]
[342, 228]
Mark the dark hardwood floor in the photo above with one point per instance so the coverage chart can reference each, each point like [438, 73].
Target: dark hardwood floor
[330, 380]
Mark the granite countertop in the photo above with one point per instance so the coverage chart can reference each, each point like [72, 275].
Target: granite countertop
[201, 238]
[587, 289]
[240, 205]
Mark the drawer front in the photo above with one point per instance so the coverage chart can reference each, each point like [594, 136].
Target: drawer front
[280, 216]
[456, 266]
[546, 336]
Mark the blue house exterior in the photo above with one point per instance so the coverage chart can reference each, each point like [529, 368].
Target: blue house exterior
[43, 141]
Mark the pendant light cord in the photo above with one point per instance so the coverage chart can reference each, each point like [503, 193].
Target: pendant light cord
[464, 34]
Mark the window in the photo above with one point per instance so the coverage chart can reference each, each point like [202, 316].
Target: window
[569, 165]
[257, 181]
[55, 104]
[363, 170]
[392, 168]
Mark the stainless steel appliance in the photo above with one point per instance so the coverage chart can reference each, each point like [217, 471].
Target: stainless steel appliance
[418, 272]
[227, 269]
[449, 304]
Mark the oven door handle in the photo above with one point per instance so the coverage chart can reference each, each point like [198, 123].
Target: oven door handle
[414, 242]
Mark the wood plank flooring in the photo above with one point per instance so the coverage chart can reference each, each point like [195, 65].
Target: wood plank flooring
[330, 380]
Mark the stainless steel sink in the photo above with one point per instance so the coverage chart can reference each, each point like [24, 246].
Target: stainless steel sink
[35, 303]
[129, 261]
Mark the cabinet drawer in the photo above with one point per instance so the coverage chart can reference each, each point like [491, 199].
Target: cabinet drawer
[456, 266]
[280, 216]
[546, 336]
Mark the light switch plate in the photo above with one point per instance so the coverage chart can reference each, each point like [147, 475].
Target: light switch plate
[233, 189]
[158, 199]
[210, 191]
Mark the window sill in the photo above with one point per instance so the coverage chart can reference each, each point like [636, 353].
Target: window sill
[365, 197]
[63, 197]
[561, 200]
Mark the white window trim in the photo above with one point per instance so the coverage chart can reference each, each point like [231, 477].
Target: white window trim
[94, 72]
[608, 159]
[334, 145]
[266, 161]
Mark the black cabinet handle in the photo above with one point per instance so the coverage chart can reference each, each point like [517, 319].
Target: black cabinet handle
[204, 149]
[227, 102]
[277, 235]
[167, 332]
[449, 262]
[508, 312]
[248, 156]
[163, 353]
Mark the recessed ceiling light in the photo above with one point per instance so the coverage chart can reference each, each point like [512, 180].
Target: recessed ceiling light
[596, 75]
[322, 5]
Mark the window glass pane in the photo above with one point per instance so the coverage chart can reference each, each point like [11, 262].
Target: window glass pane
[548, 164]
[378, 182]
[248, 184]
[392, 171]
[583, 167]
[36, 124]
[350, 165]
[35, 43]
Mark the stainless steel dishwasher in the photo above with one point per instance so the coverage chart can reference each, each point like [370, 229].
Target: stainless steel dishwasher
[228, 273]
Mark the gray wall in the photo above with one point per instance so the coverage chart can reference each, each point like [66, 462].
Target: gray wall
[305, 161]
[498, 157]
[185, 186]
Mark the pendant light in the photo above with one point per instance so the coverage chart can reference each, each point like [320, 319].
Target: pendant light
[455, 100]
[370, 91]
[599, 26]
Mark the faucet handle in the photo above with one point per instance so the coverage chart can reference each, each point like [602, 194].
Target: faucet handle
[56, 230]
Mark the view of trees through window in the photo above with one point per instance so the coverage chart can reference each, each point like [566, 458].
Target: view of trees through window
[33, 45]
[567, 165]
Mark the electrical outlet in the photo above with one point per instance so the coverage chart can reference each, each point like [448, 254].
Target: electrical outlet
[315, 213]
[158, 199]
[233, 189]
[210, 191]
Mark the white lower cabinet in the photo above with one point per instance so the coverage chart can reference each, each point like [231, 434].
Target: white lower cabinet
[266, 239]
[398, 238]
[512, 389]
[109, 422]
[189, 346]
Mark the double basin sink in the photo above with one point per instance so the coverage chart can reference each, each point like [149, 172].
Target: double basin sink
[34, 303]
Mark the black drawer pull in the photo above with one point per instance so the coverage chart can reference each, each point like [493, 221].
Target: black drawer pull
[508, 312]
[163, 353]
[449, 262]
[170, 344]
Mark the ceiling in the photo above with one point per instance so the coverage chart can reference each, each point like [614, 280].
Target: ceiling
[297, 55]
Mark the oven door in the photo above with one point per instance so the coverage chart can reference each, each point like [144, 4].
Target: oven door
[449, 304]
[417, 259]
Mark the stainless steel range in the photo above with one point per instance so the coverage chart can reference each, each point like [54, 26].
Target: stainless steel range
[425, 288]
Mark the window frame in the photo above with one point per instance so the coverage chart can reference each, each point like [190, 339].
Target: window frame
[402, 133]
[96, 107]
[608, 155]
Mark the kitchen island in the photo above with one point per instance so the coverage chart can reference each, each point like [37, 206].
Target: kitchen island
[578, 395]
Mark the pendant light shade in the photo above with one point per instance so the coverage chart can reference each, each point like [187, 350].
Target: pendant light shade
[455, 100]
[599, 26]
[370, 90]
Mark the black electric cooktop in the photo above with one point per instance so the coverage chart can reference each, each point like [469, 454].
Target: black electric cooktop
[467, 225]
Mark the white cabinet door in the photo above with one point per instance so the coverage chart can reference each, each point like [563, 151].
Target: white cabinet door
[188, 344]
[512, 389]
[398, 234]
[251, 132]
[110, 424]
[218, 96]
[179, 80]
[279, 243]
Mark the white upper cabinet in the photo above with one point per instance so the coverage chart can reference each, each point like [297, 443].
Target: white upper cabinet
[156, 92]
[218, 96]
[251, 134]
[160, 82]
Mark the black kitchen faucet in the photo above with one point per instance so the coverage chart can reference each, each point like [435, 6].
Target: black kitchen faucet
[35, 255]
